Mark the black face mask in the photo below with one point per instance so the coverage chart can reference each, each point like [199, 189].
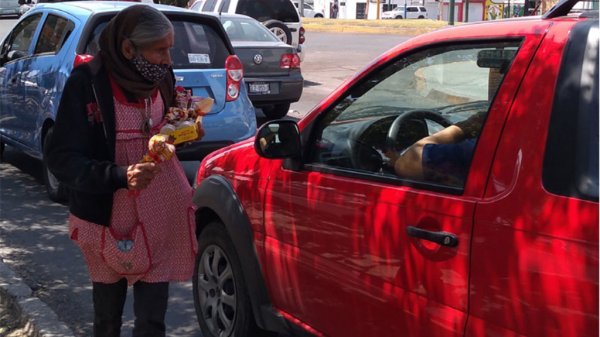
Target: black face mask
[152, 72]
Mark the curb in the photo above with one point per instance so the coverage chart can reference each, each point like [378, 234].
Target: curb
[33, 317]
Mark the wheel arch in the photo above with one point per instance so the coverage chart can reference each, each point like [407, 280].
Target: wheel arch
[216, 199]
[48, 123]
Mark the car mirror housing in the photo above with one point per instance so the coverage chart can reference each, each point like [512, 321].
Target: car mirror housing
[278, 139]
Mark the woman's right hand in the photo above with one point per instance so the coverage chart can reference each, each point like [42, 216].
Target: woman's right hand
[140, 175]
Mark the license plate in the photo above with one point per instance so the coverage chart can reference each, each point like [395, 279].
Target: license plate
[259, 88]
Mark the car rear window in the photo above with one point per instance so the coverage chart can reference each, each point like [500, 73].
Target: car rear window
[9, 3]
[243, 29]
[263, 10]
[571, 158]
[196, 46]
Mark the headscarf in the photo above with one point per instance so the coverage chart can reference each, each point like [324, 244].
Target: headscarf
[120, 68]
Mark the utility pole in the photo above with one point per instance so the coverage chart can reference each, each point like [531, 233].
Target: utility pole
[378, 9]
[467, 10]
[450, 12]
[301, 5]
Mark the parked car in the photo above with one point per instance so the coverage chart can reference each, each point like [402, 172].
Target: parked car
[271, 67]
[322, 237]
[409, 12]
[309, 10]
[10, 8]
[39, 52]
[280, 16]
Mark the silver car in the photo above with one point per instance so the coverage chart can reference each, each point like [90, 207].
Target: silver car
[10, 8]
[271, 67]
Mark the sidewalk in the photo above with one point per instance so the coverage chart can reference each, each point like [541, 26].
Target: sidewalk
[22, 314]
[411, 27]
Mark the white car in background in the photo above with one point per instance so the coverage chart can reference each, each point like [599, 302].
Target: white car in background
[412, 12]
[309, 11]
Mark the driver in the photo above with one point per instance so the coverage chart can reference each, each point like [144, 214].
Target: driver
[443, 157]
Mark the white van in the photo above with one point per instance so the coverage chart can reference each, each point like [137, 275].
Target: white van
[411, 12]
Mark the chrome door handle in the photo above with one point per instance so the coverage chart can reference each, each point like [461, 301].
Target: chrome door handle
[442, 238]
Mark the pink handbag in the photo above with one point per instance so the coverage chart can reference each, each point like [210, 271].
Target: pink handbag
[127, 254]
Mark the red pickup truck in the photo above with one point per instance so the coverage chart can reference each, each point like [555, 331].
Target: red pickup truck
[448, 189]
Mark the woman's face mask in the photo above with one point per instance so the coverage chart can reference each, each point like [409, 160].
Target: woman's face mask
[152, 72]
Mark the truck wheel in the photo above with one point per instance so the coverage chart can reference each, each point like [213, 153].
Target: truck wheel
[55, 190]
[220, 295]
[280, 30]
[276, 110]
[421, 17]
[399, 17]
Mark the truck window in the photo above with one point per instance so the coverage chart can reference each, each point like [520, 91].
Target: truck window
[410, 99]
[571, 157]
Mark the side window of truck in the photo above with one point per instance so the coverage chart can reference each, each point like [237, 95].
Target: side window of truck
[571, 158]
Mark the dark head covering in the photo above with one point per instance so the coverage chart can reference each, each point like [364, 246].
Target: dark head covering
[120, 68]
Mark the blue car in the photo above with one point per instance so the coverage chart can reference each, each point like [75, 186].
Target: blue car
[38, 54]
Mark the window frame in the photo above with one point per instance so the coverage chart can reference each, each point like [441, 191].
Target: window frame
[566, 168]
[68, 29]
[10, 39]
[310, 132]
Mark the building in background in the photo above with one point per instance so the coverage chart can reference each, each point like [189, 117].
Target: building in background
[464, 10]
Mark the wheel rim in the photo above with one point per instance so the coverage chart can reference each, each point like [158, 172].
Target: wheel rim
[216, 291]
[280, 33]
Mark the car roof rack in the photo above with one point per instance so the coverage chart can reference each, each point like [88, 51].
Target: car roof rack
[563, 8]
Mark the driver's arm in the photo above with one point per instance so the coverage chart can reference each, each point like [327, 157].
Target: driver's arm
[410, 163]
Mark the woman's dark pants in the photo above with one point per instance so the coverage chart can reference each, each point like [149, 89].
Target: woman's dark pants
[149, 306]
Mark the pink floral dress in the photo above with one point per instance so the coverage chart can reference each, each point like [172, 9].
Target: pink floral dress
[164, 207]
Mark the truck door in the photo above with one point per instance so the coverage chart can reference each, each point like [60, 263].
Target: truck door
[534, 268]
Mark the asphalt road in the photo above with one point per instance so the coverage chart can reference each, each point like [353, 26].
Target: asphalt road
[33, 231]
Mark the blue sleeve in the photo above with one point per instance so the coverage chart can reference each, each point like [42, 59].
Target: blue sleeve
[448, 163]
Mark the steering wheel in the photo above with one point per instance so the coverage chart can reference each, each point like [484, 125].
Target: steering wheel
[416, 116]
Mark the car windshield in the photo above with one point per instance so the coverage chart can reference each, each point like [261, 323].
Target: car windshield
[247, 29]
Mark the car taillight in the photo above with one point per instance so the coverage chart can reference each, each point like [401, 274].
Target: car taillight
[81, 59]
[289, 61]
[235, 73]
[301, 39]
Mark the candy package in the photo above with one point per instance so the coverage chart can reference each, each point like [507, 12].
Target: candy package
[180, 124]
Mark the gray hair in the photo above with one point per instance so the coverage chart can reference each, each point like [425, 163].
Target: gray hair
[152, 25]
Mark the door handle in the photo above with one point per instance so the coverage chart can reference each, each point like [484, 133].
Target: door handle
[442, 238]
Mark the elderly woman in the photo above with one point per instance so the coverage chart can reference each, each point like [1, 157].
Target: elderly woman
[133, 221]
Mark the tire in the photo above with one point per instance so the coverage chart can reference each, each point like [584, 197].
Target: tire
[220, 295]
[55, 190]
[421, 17]
[398, 17]
[318, 16]
[280, 30]
[276, 111]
